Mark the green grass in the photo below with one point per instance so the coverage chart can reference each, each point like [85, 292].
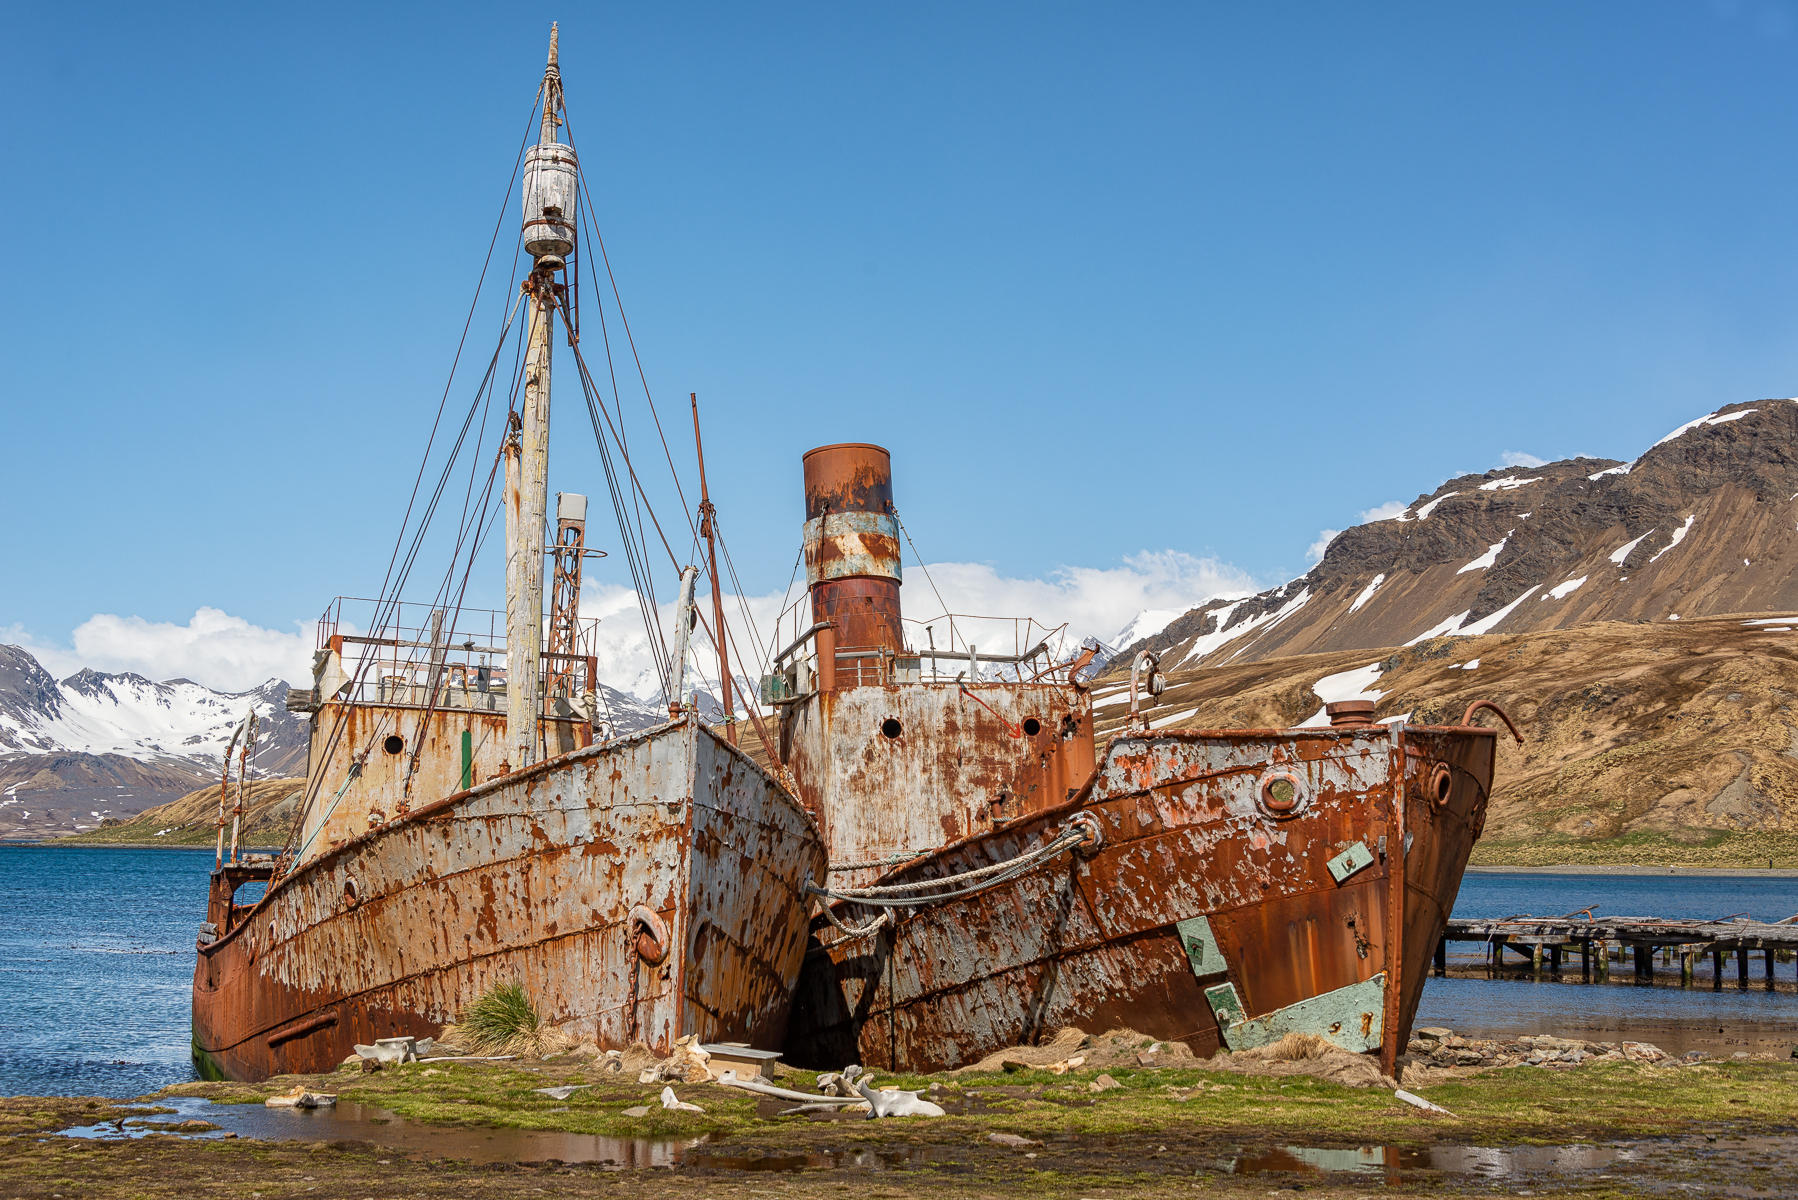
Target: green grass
[503, 1021]
[1523, 1104]
[1717, 848]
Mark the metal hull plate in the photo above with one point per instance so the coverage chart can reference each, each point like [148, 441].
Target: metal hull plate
[549, 877]
[1209, 913]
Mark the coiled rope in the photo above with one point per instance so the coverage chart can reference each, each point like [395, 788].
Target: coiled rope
[1079, 830]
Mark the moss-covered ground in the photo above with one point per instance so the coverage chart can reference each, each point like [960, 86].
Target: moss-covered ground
[1163, 1132]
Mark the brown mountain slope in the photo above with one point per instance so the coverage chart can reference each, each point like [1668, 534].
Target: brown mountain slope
[1704, 523]
[193, 819]
[1650, 743]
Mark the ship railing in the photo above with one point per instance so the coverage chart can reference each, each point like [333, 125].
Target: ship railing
[950, 649]
[412, 623]
[427, 657]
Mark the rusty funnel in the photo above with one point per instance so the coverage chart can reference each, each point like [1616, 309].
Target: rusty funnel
[852, 551]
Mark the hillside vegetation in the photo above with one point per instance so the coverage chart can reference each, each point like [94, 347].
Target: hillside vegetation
[192, 820]
[1673, 743]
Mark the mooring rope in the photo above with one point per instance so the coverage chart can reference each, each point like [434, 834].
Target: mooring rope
[1081, 828]
[891, 860]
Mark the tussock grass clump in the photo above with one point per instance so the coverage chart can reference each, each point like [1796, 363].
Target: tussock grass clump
[1297, 1047]
[502, 1021]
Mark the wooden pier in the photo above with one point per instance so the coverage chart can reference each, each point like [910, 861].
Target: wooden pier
[1548, 943]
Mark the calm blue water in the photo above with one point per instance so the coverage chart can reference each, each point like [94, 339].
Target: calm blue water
[96, 962]
[96, 967]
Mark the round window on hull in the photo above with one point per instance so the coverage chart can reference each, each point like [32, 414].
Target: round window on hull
[1281, 794]
[1442, 784]
[394, 743]
[890, 728]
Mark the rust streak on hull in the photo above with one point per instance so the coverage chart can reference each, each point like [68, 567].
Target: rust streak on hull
[1114, 937]
[530, 877]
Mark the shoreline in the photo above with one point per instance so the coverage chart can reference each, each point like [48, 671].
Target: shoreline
[1617, 869]
[1637, 869]
[70, 843]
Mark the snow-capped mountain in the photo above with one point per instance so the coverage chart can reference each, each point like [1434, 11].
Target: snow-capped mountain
[1704, 523]
[76, 751]
[1145, 624]
[627, 713]
[92, 712]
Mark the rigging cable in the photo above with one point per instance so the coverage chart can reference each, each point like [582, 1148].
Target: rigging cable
[390, 600]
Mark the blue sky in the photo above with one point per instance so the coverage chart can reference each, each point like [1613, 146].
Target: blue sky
[1110, 280]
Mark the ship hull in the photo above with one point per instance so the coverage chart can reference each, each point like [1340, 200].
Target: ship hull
[1201, 916]
[640, 890]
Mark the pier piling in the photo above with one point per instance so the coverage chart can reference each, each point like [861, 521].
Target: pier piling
[1679, 944]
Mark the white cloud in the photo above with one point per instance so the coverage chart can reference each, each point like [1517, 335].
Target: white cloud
[213, 648]
[1315, 553]
[1384, 512]
[229, 653]
[1092, 601]
[1517, 458]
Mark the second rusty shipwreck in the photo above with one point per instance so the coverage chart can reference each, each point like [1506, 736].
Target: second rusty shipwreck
[995, 876]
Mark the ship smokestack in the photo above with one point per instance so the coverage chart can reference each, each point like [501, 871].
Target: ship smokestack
[852, 556]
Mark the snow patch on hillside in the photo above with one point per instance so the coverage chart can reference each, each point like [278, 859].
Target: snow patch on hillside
[1679, 535]
[1368, 591]
[1223, 635]
[1563, 590]
[1456, 626]
[1427, 509]
[1699, 422]
[1356, 684]
[1507, 483]
[1491, 556]
[1622, 553]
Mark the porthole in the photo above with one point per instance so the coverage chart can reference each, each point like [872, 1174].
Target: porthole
[1282, 794]
[351, 893]
[394, 743]
[890, 728]
[1442, 784]
[1032, 726]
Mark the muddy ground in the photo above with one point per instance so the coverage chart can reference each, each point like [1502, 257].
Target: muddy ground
[1598, 1129]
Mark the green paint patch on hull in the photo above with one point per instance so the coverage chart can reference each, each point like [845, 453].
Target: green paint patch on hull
[1350, 1017]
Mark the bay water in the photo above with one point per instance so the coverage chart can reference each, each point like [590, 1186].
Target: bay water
[97, 957]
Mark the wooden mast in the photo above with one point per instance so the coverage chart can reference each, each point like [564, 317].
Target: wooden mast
[706, 515]
[527, 503]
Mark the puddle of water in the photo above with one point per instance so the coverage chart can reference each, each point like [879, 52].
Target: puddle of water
[1646, 1160]
[351, 1122]
[1490, 1161]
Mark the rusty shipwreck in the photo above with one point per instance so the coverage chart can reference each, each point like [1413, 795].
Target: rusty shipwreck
[470, 818]
[995, 876]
